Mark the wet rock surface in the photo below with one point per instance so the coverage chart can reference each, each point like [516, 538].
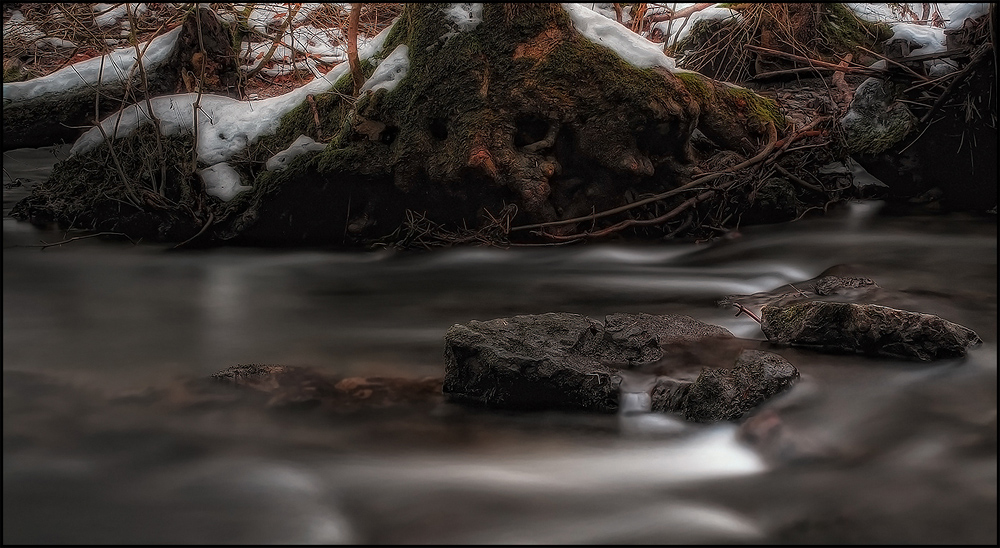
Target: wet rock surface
[726, 394]
[536, 361]
[569, 361]
[867, 329]
[829, 285]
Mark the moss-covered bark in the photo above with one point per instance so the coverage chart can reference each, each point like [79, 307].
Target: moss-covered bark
[522, 110]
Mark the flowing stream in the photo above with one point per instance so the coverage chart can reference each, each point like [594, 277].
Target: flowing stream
[860, 450]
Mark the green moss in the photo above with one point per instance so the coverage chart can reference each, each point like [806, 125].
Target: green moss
[696, 85]
[12, 72]
[781, 320]
[842, 30]
[759, 108]
[97, 189]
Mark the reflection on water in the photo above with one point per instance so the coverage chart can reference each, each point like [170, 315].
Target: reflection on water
[103, 443]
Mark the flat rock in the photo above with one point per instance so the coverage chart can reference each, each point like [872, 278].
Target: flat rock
[534, 361]
[558, 360]
[726, 394]
[867, 329]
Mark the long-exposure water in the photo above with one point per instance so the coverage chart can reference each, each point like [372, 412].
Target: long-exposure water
[102, 444]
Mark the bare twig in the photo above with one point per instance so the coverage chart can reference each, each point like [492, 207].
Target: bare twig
[201, 78]
[655, 198]
[772, 139]
[686, 12]
[75, 238]
[274, 45]
[352, 48]
[319, 128]
[204, 227]
[977, 58]
[822, 64]
[161, 156]
[745, 310]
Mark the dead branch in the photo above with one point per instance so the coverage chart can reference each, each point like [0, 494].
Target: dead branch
[204, 227]
[745, 310]
[277, 40]
[978, 57]
[846, 93]
[160, 154]
[75, 238]
[686, 12]
[799, 180]
[319, 128]
[201, 78]
[352, 48]
[823, 64]
[912, 72]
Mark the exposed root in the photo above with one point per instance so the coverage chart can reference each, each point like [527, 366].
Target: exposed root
[419, 232]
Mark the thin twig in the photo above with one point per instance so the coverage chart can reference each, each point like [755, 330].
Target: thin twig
[851, 69]
[274, 45]
[161, 156]
[75, 238]
[657, 197]
[204, 227]
[772, 139]
[745, 310]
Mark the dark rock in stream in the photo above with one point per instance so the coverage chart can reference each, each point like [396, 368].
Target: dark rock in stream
[570, 361]
[722, 394]
[867, 329]
[539, 361]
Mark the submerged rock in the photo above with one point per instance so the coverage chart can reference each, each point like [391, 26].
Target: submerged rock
[566, 361]
[639, 336]
[830, 285]
[293, 387]
[723, 394]
[867, 329]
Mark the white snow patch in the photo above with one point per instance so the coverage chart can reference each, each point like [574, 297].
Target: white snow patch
[225, 125]
[300, 146]
[677, 30]
[465, 16]
[608, 10]
[116, 66]
[928, 39]
[316, 41]
[222, 181]
[390, 71]
[631, 47]
[878, 13]
[109, 14]
[955, 14]
[274, 14]
[54, 42]
[17, 28]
